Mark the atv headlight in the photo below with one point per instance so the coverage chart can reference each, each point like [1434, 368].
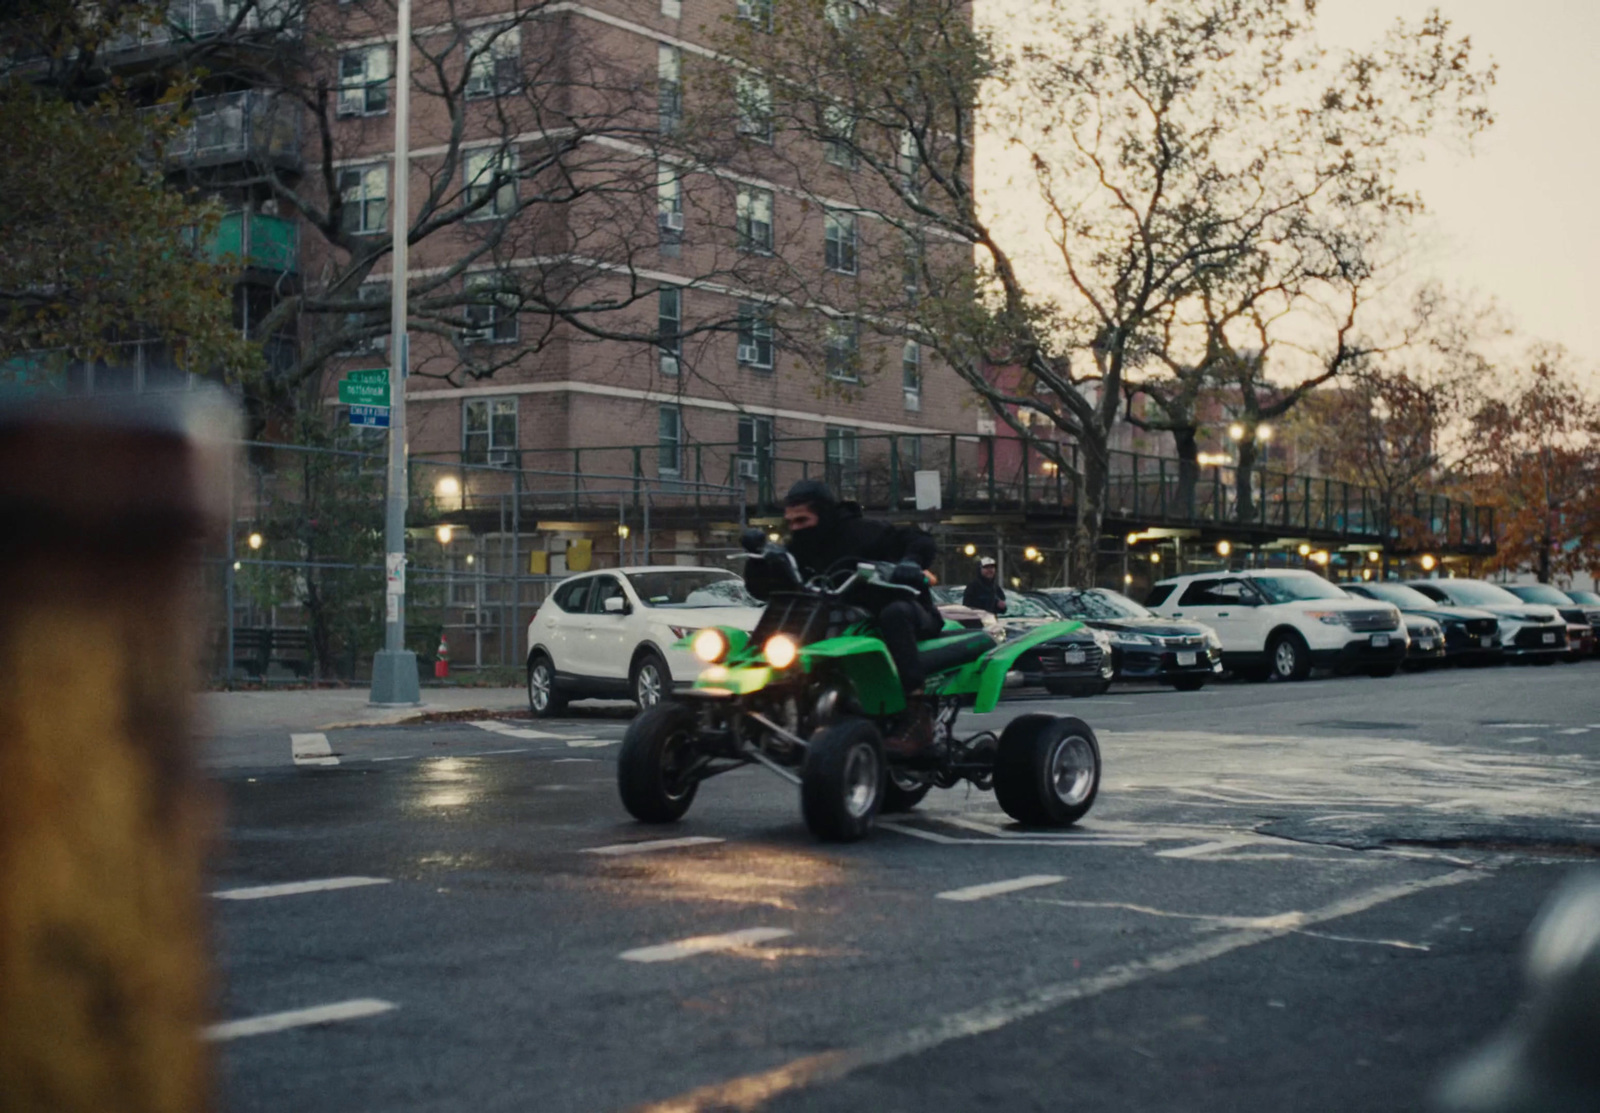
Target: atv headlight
[710, 645]
[780, 651]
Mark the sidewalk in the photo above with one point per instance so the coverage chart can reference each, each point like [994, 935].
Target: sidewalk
[253, 728]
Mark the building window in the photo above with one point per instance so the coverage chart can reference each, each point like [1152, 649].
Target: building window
[669, 205]
[754, 217]
[755, 335]
[364, 81]
[753, 99]
[494, 63]
[491, 179]
[669, 328]
[911, 452]
[669, 453]
[839, 246]
[909, 163]
[669, 86]
[489, 430]
[367, 330]
[491, 311]
[838, 136]
[365, 193]
[843, 456]
[843, 351]
[911, 374]
[758, 12]
[755, 457]
[911, 265]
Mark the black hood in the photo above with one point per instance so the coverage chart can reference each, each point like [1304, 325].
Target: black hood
[1159, 627]
[1443, 614]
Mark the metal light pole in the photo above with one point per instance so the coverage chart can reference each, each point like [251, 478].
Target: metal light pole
[394, 667]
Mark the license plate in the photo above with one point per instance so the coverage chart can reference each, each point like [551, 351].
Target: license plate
[1074, 656]
[1425, 644]
[1549, 639]
[1380, 641]
[1486, 641]
[1187, 659]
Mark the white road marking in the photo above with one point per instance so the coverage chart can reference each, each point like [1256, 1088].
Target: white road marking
[998, 888]
[649, 845]
[1208, 849]
[752, 1090]
[591, 743]
[311, 749]
[703, 944]
[1075, 835]
[1516, 726]
[510, 731]
[574, 760]
[293, 888]
[1520, 741]
[298, 1018]
[951, 840]
[1575, 730]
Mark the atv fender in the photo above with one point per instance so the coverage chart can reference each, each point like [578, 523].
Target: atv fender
[989, 671]
[873, 678]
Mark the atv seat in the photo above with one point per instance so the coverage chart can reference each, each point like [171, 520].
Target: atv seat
[948, 651]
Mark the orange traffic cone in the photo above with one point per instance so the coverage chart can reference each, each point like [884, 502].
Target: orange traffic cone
[441, 664]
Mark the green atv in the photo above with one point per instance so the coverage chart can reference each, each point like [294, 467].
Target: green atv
[811, 693]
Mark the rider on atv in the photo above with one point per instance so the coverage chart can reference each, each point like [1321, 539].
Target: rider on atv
[823, 533]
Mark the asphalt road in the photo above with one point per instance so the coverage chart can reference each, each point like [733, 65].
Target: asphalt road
[1305, 896]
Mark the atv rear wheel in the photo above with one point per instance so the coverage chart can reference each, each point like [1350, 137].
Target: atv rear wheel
[842, 782]
[1047, 772]
[653, 765]
[904, 790]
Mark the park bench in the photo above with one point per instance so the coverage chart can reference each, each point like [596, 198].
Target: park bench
[256, 648]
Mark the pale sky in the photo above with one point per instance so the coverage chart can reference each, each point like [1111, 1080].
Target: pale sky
[1517, 219]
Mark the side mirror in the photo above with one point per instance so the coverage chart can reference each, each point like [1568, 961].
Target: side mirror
[615, 604]
[753, 540]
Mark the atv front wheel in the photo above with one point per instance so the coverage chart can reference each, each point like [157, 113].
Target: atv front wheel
[841, 784]
[1047, 772]
[904, 791]
[653, 766]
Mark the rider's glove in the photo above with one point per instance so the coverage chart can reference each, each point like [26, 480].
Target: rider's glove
[908, 572]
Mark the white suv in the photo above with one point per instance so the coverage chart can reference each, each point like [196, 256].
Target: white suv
[1285, 622]
[610, 635]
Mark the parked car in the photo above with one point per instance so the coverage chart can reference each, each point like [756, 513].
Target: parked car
[610, 635]
[1077, 664]
[1285, 622]
[1528, 631]
[970, 618]
[1468, 636]
[1581, 620]
[1144, 646]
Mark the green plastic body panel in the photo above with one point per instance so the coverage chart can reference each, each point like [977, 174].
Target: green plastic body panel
[867, 663]
[985, 678]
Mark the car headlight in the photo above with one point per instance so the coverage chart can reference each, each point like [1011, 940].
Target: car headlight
[710, 645]
[780, 651]
[1126, 638]
[681, 632]
[1213, 640]
[1102, 639]
[1328, 618]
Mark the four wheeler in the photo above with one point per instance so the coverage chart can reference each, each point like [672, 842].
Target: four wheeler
[812, 692]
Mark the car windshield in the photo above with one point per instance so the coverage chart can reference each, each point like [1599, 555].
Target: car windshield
[693, 587]
[946, 595]
[1406, 598]
[1288, 589]
[1021, 606]
[1586, 597]
[1541, 593]
[1098, 603]
[1474, 593]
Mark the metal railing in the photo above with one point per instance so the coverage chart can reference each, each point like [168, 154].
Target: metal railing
[258, 240]
[252, 125]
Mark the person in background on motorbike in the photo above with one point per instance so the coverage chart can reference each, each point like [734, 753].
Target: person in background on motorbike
[823, 532]
[984, 593]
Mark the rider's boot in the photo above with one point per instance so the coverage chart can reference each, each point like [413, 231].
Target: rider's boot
[911, 738]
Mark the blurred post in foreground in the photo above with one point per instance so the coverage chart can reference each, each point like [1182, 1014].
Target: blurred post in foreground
[104, 971]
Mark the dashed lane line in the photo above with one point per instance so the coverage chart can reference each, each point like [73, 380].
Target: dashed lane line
[1000, 888]
[753, 1090]
[294, 888]
[704, 944]
[651, 845]
[496, 727]
[311, 749]
[298, 1018]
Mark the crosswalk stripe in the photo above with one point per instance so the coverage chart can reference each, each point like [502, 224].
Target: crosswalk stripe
[999, 888]
[311, 749]
[703, 944]
[294, 888]
[298, 1018]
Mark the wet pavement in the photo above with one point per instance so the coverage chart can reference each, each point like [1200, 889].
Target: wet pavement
[1305, 896]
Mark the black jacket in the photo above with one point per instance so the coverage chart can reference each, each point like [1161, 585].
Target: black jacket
[985, 595]
[842, 533]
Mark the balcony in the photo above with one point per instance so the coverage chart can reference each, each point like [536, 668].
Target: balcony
[252, 126]
[257, 241]
[192, 21]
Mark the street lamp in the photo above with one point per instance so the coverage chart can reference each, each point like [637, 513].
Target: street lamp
[1224, 548]
[970, 550]
[1428, 562]
[1030, 553]
[1305, 550]
[445, 533]
[254, 541]
[1236, 432]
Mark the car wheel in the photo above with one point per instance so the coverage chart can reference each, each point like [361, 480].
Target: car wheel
[651, 682]
[544, 698]
[1289, 657]
[656, 767]
[1047, 771]
[1188, 683]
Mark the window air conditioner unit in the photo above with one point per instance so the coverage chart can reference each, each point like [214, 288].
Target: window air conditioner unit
[669, 364]
[501, 458]
[914, 400]
[671, 222]
[747, 468]
[749, 353]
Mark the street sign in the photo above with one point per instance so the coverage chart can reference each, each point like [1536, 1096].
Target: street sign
[376, 417]
[363, 394]
[369, 375]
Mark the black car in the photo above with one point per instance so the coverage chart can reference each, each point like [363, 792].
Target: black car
[1144, 646]
[1583, 622]
[1438, 633]
[1075, 664]
[1528, 631]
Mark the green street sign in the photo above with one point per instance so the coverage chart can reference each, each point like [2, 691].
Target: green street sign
[370, 375]
[363, 394]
